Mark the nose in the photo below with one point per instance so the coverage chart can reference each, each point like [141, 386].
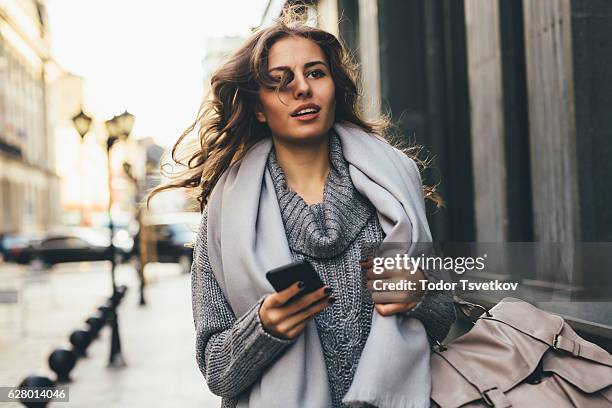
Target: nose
[302, 87]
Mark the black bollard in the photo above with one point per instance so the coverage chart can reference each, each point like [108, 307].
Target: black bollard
[116, 358]
[122, 291]
[95, 324]
[38, 382]
[80, 340]
[110, 313]
[62, 361]
[118, 296]
[106, 309]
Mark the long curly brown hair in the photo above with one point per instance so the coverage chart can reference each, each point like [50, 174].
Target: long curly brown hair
[226, 122]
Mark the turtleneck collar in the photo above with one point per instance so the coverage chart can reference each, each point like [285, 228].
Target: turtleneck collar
[326, 229]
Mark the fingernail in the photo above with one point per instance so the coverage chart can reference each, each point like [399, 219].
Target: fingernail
[332, 299]
[300, 284]
[328, 290]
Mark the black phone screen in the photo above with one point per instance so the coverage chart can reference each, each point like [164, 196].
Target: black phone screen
[286, 275]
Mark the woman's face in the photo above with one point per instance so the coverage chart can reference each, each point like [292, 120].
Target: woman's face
[312, 85]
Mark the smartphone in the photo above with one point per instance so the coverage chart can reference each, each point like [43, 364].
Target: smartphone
[286, 275]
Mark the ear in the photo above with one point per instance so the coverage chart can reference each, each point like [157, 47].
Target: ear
[259, 114]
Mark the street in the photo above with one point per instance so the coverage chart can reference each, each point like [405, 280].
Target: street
[157, 339]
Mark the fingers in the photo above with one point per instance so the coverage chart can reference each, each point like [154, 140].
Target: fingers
[307, 300]
[394, 308]
[392, 285]
[393, 290]
[280, 298]
[366, 263]
[299, 320]
[368, 267]
[390, 297]
[297, 329]
[283, 318]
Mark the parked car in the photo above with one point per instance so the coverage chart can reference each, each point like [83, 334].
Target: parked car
[12, 246]
[74, 245]
[174, 235]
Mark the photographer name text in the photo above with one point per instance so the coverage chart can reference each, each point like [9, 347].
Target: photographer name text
[464, 284]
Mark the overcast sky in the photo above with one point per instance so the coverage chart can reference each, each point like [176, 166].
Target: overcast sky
[144, 55]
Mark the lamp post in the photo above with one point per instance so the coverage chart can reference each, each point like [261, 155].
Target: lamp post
[127, 169]
[82, 123]
[119, 127]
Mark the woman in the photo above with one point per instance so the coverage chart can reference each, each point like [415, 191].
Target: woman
[279, 183]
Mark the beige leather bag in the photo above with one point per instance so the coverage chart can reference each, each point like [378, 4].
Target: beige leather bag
[517, 355]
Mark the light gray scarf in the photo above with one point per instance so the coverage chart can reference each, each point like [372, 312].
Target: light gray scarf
[246, 238]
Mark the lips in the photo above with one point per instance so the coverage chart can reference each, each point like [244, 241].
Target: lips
[307, 117]
[311, 106]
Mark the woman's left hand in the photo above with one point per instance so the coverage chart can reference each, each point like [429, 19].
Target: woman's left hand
[390, 302]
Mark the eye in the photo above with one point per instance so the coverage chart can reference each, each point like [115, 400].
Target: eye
[319, 73]
[286, 73]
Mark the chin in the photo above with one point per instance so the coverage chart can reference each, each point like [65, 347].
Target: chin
[312, 131]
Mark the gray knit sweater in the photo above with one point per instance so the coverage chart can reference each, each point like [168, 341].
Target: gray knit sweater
[234, 352]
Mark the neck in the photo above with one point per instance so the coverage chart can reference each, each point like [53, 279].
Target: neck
[305, 165]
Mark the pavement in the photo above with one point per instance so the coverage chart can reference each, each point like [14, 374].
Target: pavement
[158, 340]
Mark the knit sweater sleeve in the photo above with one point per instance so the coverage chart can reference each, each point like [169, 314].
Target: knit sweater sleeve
[231, 352]
[435, 310]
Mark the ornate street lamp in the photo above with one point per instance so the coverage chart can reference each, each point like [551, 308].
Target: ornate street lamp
[119, 127]
[129, 172]
[112, 129]
[82, 123]
[125, 123]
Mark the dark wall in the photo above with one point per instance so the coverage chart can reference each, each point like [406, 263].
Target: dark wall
[424, 87]
[592, 65]
[348, 14]
[516, 126]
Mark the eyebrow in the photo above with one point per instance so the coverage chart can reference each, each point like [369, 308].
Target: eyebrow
[306, 65]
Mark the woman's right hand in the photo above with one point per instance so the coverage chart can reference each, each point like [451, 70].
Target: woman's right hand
[286, 319]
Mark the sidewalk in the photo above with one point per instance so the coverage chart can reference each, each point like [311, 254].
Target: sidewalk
[157, 340]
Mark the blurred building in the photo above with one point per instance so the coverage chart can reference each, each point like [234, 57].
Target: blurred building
[215, 50]
[150, 158]
[512, 100]
[81, 164]
[29, 184]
